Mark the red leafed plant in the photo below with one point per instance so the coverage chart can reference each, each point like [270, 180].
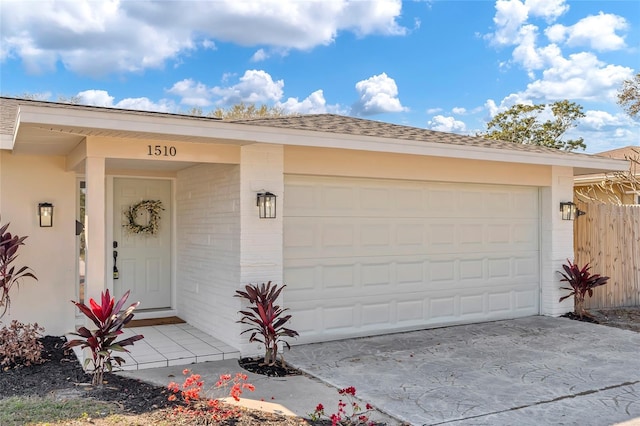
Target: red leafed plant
[202, 410]
[582, 282]
[110, 320]
[265, 318]
[10, 274]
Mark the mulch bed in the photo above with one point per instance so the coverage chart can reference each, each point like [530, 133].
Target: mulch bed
[62, 376]
[256, 365]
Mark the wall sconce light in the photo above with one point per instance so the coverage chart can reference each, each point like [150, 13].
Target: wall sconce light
[570, 211]
[266, 203]
[45, 211]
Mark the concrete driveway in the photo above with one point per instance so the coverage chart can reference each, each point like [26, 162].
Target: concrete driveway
[529, 371]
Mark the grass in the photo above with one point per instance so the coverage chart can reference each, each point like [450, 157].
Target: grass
[36, 410]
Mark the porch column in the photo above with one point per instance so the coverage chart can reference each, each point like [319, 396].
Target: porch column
[556, 245]
[95, 279]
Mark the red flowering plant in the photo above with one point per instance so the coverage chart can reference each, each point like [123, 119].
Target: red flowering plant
[10, 274]
[348, 414]
[581, 283]
[109, 319]
[195, 406]
[266, 319]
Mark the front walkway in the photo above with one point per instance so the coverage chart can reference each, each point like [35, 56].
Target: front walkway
[169, 345]
[529, 371]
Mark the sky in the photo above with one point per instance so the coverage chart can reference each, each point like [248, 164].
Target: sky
[442, 64]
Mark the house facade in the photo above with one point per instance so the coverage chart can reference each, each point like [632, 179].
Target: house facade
[379, 227]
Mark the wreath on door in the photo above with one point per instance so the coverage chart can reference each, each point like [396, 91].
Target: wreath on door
[152, 208]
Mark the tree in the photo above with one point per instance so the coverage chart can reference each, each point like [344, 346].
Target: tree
[522, 124]
[242, 111]
[629, 95]
[613, 184]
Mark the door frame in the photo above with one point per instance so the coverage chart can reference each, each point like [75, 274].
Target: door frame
[151, 313]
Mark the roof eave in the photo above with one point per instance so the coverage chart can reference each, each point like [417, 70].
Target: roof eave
[243, 133]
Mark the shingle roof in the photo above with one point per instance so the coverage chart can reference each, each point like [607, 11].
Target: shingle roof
[329, 123]
[332, 123]
[621, 153]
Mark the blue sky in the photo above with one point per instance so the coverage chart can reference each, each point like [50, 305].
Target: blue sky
[442, 65]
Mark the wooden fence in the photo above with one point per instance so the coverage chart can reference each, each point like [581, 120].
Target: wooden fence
[608, 239]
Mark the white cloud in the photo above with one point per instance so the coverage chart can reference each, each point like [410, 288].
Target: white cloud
[432, 111]
[255, 87]
[145, 104]
[459, 110]
[259, 56]
[102, 98]
[192, 93]
[598, 120]
[446, 124]
[96, 98]
[580, 77]
[377, 94]
[510, 15]
[596, 31]
[313, 104]
[550, 10]
[209, 44]
[96, 38]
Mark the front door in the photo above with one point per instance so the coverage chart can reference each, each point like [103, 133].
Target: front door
[142, 255]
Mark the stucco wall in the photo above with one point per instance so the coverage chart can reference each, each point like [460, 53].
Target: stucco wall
[208, 248]
[50, 252]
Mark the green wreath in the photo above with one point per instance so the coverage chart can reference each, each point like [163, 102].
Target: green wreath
[153, 208]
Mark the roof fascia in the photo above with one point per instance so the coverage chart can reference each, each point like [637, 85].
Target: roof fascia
[243, 133]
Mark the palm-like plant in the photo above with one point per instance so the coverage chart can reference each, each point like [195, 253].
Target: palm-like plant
[265, 318]
[582, 282]
[102, 342]
[10, 274]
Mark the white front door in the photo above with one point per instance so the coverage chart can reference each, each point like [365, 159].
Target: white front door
[143, 261]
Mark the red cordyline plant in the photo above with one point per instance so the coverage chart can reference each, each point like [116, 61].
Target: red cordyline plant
[10, 274]
[582, 282]
[266, 319]
[347, 414]
[110, 319]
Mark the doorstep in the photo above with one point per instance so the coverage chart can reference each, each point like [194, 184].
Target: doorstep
[170, 345]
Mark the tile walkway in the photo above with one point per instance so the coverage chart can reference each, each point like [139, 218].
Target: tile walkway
[170, 345]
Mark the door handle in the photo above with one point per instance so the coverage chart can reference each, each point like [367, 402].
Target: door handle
[116, 273]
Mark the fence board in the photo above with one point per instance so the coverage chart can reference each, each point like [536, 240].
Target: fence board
[608, 239]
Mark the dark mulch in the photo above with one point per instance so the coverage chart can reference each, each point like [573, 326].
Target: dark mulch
[61, 375]
[256, 365]
[584, 318]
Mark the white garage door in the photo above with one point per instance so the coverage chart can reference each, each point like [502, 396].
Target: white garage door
[366, 256]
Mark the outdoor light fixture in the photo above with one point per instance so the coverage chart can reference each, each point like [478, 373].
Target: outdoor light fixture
[570, 211]
[45, 211]
[266, 203]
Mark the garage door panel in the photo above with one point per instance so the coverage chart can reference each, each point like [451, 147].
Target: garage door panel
[371, 256]
[309, 195]
[390, 274]
[318, 237]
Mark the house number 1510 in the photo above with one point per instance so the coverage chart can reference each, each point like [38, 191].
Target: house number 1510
[162, 150]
